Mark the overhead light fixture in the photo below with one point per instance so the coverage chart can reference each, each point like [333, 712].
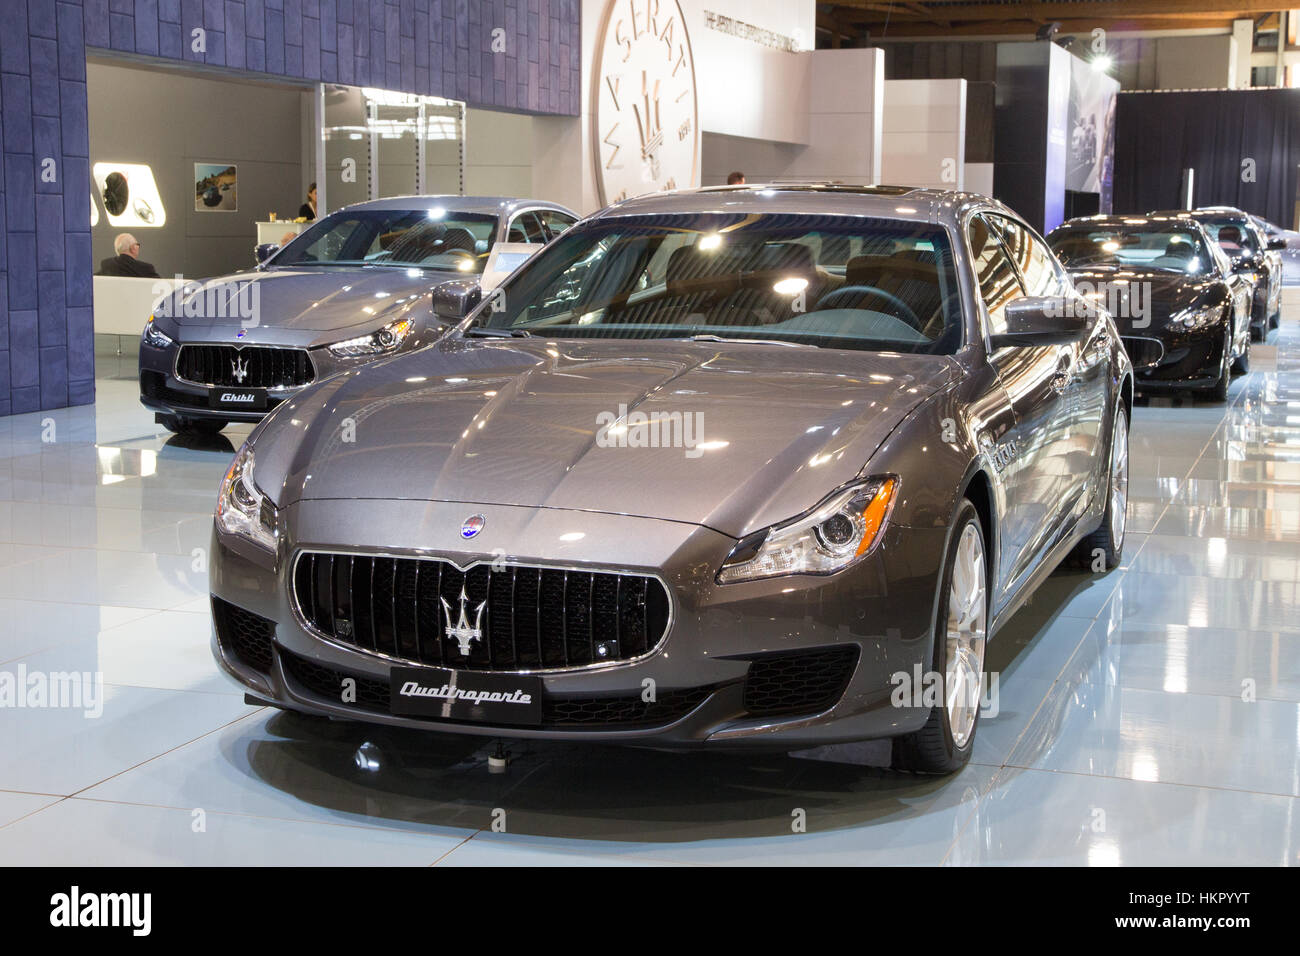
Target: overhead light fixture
[1102, 62]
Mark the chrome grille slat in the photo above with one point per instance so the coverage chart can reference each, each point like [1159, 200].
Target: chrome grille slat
[268, 366]
[573, 612]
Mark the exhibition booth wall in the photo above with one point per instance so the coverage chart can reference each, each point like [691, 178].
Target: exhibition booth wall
[432, 47]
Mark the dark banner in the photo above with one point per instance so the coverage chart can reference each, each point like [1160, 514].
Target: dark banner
[328, 910]
[1243, 144]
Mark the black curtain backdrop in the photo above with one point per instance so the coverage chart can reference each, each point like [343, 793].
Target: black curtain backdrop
[1158, 135]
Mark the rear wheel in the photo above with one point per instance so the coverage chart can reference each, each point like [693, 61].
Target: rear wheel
[945, 742]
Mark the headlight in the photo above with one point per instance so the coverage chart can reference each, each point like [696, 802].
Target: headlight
[838, 533]
[385, 340]
[243, 509]
[155, 336]
[1199, 317]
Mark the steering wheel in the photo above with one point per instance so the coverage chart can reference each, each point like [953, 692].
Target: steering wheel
[907, 315]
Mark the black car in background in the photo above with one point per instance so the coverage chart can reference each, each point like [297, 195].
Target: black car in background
[1285, 244]
[1250, 251]
[1182, 310]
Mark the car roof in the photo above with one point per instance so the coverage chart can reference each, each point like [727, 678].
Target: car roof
[907, 203]
[1204, 212]
[1105, 221]
[483, 205]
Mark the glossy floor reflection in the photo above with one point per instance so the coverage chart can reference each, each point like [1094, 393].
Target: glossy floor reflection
[1146, 716]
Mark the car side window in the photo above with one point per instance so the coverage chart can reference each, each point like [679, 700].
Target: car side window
[1037, 267]
[526, 227]
[555, 221]
[998, 283]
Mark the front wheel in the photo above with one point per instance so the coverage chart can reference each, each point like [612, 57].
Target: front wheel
[945, 742]
[1241, 365]
[1107, 542]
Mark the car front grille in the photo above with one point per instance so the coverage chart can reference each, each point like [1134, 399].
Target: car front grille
[245, 635]
[526, 618]
[611, 712]
[254, 366]
[800, 682]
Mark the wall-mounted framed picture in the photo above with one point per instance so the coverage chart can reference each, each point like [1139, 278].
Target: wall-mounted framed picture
[215, 187]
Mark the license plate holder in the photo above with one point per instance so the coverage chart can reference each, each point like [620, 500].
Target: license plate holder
[237, 399]
[476, 696]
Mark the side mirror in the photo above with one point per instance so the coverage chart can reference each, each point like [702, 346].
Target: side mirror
[265, 250]
[1276, 244]
[1042, 320]
[455, 299]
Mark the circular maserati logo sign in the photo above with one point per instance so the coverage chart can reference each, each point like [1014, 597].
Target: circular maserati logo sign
[645, 119]
[472, 526]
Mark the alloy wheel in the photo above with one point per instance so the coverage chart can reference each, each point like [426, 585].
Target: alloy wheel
[967, 613]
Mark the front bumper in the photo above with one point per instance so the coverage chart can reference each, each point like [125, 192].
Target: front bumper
[1174, 359]
[730, 655]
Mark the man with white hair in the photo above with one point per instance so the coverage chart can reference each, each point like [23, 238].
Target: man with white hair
[127, 262]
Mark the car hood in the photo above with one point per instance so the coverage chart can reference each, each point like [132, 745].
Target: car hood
[1164, 292]
[297, 302]
[764, 431]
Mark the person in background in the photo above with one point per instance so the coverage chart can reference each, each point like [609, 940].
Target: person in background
[308, 209]
[127, 262]
[736, 179]
[287, 238]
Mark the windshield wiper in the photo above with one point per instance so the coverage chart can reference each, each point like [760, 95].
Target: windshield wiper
[486, 332]
[711, 337]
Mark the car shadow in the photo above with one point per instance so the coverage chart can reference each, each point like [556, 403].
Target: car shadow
[580, 791]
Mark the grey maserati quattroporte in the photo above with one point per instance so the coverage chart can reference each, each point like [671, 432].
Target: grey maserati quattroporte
[750, 466]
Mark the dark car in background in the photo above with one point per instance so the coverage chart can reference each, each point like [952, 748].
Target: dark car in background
[1249, 250]
[355, 286]
[1182, 309]
[1285, 244]
[730, 468]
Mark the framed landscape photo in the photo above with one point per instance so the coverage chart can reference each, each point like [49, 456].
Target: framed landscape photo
[215, 187]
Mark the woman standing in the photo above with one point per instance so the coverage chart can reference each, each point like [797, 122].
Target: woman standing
[308, 209]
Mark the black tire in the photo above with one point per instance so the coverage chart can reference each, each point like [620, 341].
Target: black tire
[932, 749]
[192, 426]
[1103, 539]
[1241, 364]
[1256, 333]
[1218, 392]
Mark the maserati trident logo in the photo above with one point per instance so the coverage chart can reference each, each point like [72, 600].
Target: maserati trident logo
[472, 526]
[461, 630]
[239, 370]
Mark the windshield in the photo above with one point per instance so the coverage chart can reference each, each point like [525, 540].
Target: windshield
[830, 281]
[1177, 250]
[1232, 234]
[430, 239]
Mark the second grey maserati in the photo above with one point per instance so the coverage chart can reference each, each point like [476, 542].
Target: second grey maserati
[353, 287]
[749, 467]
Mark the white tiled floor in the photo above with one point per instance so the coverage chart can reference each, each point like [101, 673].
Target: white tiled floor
[1147, 716]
